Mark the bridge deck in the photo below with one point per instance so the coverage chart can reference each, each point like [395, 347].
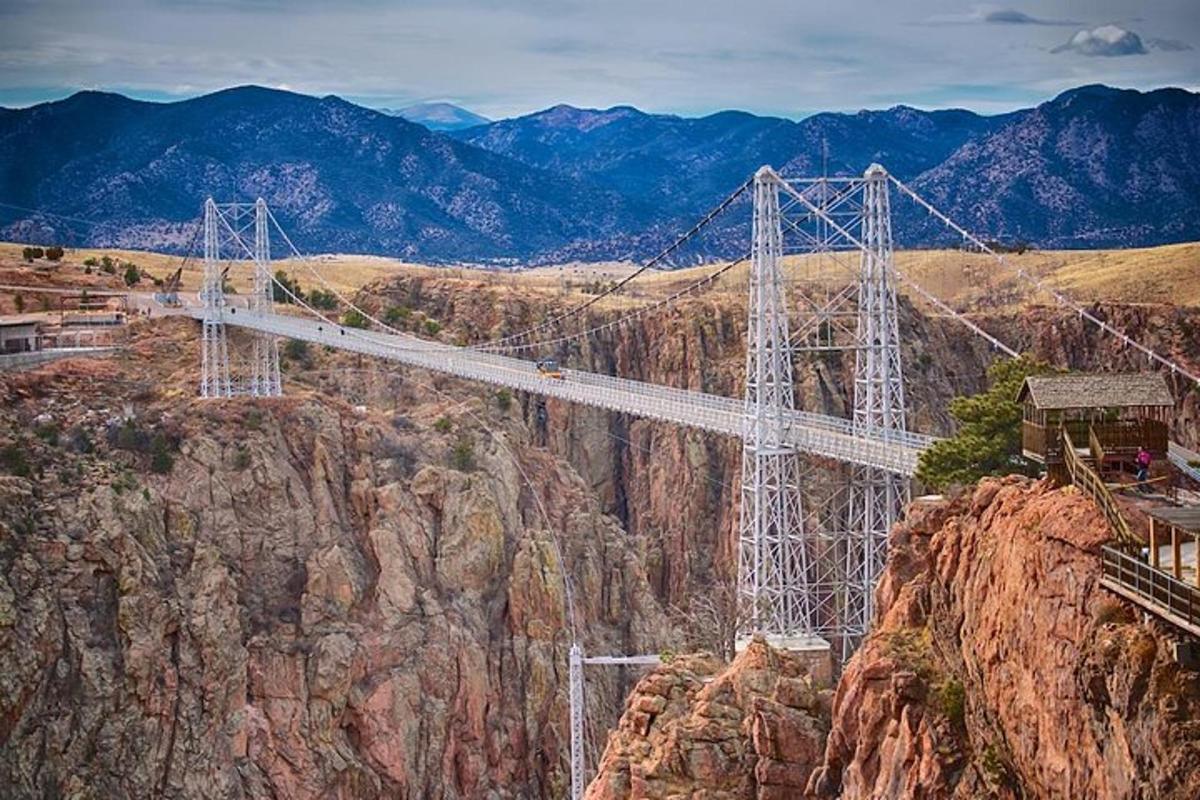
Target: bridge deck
[816, 434]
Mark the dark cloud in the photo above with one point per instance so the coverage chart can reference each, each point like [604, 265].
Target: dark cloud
[1010, 16]
[1170, 45]
[1106, 40]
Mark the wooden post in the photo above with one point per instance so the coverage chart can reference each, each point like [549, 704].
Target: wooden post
[1153, 544]
[1176, 567]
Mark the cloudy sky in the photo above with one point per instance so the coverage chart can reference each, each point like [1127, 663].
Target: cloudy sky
[785, 57]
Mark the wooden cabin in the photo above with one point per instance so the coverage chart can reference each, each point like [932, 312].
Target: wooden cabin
[1110, 415]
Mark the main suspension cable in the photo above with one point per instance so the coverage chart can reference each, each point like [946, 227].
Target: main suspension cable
[1058, 296]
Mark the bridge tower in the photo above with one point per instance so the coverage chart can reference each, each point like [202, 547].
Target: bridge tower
[264, 377]
[214, 347]
[227, 225]
[777, 584]
[876, 496]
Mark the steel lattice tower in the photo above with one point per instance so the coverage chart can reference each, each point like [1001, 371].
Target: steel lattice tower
[774, 568]
[264, 377]
[214, 355]
[578, 710]
[876, 496]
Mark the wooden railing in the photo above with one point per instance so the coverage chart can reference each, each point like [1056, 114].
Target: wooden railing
[1126, 437]
[1156, 591]
[1096, 446]
[1091, 484]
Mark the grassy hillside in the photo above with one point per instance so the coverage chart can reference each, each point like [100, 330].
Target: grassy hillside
[1168, 274]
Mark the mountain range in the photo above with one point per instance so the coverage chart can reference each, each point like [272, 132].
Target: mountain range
[1093, 167]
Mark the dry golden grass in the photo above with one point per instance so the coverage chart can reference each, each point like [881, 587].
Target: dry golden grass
[1168, 274]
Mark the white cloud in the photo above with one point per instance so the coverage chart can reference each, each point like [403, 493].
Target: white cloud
[1106, 40]
[503, 58]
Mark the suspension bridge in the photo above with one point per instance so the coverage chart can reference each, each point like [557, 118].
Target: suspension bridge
[806, 576]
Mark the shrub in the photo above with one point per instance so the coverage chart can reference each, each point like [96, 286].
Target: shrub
[296, 350]
[132, 275]
[54, 253]
[254, 419]
[30, 253]
[324, 301]
[443, 425]
[952, 701]
[1109, 610]
[354, 319]
[87, 270]
[91, 261]
[127, 435]
[282, 286]
[108, 266]
[48, 433]
[395, 315]
[161, 460]
[12, 460]
[504, 399]
[432, 326]
[124, 482]
[241, 458]
[462, 456]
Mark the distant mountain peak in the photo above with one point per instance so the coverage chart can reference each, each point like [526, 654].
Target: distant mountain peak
[584, 119]
[439, 116]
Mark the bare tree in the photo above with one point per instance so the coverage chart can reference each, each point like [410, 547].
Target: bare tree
[710, 618]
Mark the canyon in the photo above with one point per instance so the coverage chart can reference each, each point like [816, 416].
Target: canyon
[356, 590]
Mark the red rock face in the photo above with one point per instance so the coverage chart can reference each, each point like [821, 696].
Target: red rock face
[999, 667]
[697, 728]
[312, 603]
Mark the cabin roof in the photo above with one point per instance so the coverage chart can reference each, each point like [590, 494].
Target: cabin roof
[1186, 518]
[1097, 390]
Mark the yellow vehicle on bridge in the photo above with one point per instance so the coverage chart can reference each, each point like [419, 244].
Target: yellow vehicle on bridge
[548, 368]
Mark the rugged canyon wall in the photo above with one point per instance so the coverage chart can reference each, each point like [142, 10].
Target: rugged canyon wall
[289, 598]
[695, 727]
[997, 667]
[674, 489]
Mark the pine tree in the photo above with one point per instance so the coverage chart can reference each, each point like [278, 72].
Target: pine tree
[988, 441]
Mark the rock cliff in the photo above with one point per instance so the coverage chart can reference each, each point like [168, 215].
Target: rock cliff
[697, 728]
[289, 598]
[999, 667]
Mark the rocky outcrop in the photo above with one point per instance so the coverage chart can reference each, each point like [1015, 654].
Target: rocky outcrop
[241, 599]
[698, 728]
[998, 666]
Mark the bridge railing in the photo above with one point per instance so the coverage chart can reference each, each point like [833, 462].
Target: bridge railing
[1153, 589]
[1091, 484]
[894, 451]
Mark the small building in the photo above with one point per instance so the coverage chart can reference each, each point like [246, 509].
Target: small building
[1110, 415]
[20, 333]
[1176, 530]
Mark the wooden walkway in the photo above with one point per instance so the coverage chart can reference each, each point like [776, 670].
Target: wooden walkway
[1124, 571]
